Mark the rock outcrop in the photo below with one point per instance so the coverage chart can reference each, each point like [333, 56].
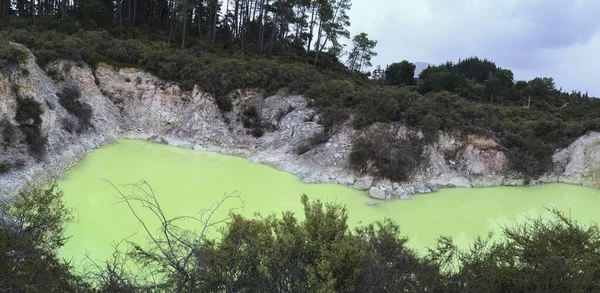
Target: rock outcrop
[130, 103]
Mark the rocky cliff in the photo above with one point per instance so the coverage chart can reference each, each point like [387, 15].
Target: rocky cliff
[130, 103]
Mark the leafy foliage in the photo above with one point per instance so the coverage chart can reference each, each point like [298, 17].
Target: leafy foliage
[402, 73]
[384, 154]
[317, 254]
[28, 115]
[251, 119]
[7, 130]
[362, 53]
[69, 98]
[31, 231]
[10, 55]
[537, 255]
[314, 253]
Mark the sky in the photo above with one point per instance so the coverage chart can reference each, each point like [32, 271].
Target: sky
[533, 38]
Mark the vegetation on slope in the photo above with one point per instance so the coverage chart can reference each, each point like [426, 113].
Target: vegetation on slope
[294, 45]
[289, 253]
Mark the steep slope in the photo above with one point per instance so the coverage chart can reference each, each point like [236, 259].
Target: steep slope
[130, 103]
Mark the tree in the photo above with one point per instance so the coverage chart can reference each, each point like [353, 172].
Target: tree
[402, 73]
[361, 53]
[475, 68]
[538, 88]
[333, 23]
[536, 255]
[31, 230]
[378, 75]
[499, 85]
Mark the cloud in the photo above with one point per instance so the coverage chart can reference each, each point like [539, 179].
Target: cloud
[530, 37]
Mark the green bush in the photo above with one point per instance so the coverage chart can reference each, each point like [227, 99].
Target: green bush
[224, 103]
[29, 112]
[29, 243]
[37, 147]
[69, 98]
[258, 131]
[5, 167]
[8, 131]
[11, 55]
[384, 154]
[28, 115]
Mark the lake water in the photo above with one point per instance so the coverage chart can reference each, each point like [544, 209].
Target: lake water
[185, 181]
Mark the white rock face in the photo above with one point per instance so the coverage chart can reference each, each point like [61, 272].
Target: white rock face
[580, 162]
[130, 103]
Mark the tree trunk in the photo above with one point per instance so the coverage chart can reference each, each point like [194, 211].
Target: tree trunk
[199, 17]
[242, 25]
[261, 32]
[129, 4]
[275, 23]
[185, 15]
[317, 45]
[173, 5]
[134, 12]
[312, 26]
[32, 10]
[236, 21]
[215, 16]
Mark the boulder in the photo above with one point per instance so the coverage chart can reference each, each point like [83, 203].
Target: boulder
[377, 193]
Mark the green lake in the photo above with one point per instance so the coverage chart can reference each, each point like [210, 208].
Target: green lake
[185, 181]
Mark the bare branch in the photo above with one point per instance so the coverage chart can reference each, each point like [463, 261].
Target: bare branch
[174, 247]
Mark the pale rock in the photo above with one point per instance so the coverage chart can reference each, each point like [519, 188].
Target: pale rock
[377, 193]
[404, 195]
[363, 183]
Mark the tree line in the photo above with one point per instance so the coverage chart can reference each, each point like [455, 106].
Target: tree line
[259, 26]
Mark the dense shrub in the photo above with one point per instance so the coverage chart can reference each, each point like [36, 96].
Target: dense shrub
[29, 112]
[383, 153]
[258, 131]
[31, 231]
[8, 131]
[69, 125]
[69, 98]
[251, 119]
[5, 167]
[28, 115]
[37, 147]
[536, 255]
[250, 116]
[224, 103]
[10, 55]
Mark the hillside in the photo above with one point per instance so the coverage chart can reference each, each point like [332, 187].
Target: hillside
[57, 114]
[228, 56]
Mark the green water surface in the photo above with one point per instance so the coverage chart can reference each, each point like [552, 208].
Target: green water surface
[185, 181]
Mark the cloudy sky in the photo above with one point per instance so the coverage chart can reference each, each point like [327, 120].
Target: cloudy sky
[545, 38]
